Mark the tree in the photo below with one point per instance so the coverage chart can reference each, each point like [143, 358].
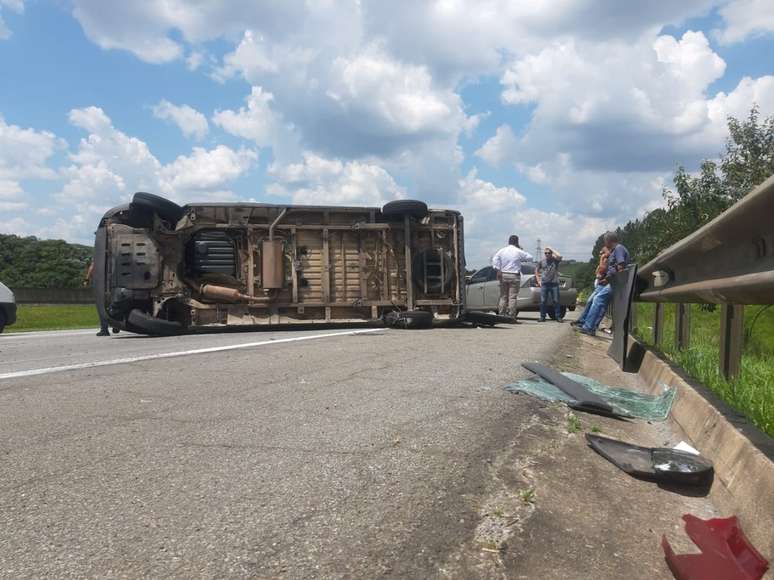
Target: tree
[33, 263]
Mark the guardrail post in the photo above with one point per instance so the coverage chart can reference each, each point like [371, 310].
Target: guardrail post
[683, 326]
[731, 340]
[658, 324]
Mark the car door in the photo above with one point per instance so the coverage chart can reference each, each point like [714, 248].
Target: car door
[491, 291]
[474, 297]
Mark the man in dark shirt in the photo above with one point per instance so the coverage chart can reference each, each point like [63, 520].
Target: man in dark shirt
[616, 262]
[547, 276]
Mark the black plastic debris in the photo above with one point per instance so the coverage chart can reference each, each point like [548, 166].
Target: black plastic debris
[659, 464]
[586, 400]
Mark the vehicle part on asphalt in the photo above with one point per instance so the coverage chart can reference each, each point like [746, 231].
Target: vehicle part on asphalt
[410, 319]
[625, 402]
[405, 207]
[146, 324]
[485, 318]
[167, 210]
[726, 553]
[659, 464]
[584, 400]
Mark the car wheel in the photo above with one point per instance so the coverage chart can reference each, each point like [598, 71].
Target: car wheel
[410, 319]
[2, 320]
[405, 207]
[167, 210]
[147, 324]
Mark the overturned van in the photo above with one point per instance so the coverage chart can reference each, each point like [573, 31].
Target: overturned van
[164, 269]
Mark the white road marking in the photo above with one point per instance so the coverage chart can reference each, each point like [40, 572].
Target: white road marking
[46, 334]
[120, 361]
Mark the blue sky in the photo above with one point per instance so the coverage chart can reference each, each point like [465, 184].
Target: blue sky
[554, 121]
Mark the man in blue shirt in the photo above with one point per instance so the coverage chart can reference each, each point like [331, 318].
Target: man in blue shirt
[616, 262]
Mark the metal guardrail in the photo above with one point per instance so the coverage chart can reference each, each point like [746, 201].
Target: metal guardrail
[54, 295]
[729, 261]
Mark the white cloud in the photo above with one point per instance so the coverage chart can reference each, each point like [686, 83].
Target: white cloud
[483, 194]
[317, 180]
[143, 27]
[16, 225]
[613, 119]
[493, 212]
[194, 60]
[190, 121]
[256, 123]
[14, 6]
[24, 154]
[469, 38]
[205, 170]
[571, 234]
[745, 18]
[499, 147]
[109, 166]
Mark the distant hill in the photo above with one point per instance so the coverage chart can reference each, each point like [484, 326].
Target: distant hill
[33, 263]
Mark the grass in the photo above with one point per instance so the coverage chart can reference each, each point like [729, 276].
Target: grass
[54, 317]
[753, 392]
[527, 495]
[573, 423]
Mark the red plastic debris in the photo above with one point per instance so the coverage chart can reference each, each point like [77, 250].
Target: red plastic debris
[726, 554]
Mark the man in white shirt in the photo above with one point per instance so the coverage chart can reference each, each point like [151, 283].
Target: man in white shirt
[507, 261]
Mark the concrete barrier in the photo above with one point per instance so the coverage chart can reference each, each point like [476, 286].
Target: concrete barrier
[54, 295]
[743, 455]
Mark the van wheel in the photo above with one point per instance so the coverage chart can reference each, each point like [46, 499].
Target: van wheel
[2, 320]
[405, 207]
[147, 324]
[410, 319]
[167, 210]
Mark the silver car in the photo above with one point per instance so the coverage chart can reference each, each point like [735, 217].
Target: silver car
[7, 307]
[483, 291]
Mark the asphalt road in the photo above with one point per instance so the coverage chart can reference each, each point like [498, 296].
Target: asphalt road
[321, 453]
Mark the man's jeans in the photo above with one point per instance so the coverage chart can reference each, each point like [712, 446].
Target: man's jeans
[598, 308]
[589, 301]
[550, 291]
[509, 291]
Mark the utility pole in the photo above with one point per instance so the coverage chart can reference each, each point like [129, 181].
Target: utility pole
[539, 251]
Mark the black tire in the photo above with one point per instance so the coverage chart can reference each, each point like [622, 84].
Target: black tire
[167, 210]
[552, 312]
[485, 318]
[410, 319]
[146, 324]
[2, 320]
[405, 207]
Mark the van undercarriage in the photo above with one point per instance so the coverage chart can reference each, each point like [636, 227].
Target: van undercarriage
[162, 269]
